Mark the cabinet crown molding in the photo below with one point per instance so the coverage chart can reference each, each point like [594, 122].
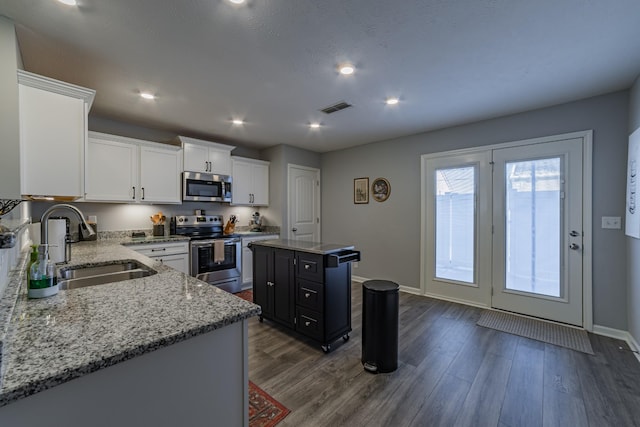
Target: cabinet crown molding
[128, 140]
[63, 88]
[188, 140]
[250, 160]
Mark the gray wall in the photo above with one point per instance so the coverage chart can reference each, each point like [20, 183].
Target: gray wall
[9, 124]
[633, 245]
[130, 130]
[280, 156]
[388, 233]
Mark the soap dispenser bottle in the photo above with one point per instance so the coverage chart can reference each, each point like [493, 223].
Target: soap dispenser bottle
[42, 275]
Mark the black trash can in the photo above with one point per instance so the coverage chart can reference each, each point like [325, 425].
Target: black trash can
[380, 325]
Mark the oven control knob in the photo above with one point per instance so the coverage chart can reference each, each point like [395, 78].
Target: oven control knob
[180, 219]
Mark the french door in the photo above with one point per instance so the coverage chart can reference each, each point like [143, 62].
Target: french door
[504, 228]
[459, 206]
[537, 240]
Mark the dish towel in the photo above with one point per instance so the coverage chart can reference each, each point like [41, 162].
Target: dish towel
[218, 251]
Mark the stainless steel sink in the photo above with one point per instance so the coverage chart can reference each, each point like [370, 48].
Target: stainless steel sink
[91, 275]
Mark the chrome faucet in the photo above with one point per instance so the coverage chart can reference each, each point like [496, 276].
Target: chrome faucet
[85, 228]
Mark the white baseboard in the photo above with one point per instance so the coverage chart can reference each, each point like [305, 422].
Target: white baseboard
[456, 300]
[619, 335]
[410, 290]
[358, 279]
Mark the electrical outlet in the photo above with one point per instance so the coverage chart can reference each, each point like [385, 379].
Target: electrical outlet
[611, 222]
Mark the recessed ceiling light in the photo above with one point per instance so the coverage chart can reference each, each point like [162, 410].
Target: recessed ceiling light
[347, 69]
[392, 101]
[69, 2]
[237, 121]
[147, 95]
[314, 125]
[237, 1]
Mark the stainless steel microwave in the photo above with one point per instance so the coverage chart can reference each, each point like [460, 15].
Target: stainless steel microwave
[205, 187]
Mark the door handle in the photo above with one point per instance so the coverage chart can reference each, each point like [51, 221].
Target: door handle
[574, 233]
[574, 246]
[294, 229]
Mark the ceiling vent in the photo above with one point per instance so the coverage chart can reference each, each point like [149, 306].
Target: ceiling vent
[336, 107]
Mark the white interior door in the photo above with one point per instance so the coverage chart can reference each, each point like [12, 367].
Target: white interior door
[304, 203]
[538, 230]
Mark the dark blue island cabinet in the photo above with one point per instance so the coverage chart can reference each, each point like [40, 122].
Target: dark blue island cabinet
[305, 286]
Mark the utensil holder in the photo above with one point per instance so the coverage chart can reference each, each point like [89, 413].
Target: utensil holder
[158, 230]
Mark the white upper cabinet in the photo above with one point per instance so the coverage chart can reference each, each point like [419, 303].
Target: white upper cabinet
[206, 157]
[53, 131]
[160, 174]
[250, 185]
[112, 169]
[121, 169]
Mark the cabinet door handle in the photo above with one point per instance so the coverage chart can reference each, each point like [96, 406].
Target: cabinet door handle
[307, 295]
[307, 323]
[134, 193]
[270, 283]
[307, 266]
[158, 250]
[142, 193]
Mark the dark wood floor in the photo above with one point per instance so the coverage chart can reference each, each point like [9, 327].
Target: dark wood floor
[451, 372]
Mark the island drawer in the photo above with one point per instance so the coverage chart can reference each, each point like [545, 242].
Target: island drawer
[309, 323]
[310, 294]
[310, 266]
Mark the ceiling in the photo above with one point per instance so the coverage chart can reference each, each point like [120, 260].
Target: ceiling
[275, 63]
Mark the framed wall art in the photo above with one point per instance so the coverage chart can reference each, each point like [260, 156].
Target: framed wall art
[380, 189]
[361, 190]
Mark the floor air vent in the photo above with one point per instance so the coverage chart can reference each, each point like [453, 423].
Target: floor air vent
[336, 107]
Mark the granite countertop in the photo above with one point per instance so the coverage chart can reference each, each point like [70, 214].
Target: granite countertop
[299, 245]
[152, 239]
[76, 332]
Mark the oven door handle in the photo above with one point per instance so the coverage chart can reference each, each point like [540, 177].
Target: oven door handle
[205, 243]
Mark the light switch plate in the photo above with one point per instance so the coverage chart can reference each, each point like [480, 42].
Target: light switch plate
[612, 222]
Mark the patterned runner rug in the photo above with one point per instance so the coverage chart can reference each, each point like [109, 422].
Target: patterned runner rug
[552, 333]
[264, 410]
[245, 295]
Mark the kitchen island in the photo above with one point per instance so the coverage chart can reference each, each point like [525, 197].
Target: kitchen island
[305, 286]
[161, 350]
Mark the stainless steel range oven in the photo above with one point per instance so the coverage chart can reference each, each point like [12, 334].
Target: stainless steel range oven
[213, 257]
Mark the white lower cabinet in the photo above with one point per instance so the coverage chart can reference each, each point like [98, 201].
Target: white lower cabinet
[247, 257]
[173, 254]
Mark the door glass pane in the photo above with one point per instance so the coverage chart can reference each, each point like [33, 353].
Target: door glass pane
[533, 226]
[455, 223]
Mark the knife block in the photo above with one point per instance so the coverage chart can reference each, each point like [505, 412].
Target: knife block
[158, 230]
[229, 228]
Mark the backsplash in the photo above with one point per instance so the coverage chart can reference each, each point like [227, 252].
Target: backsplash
[128, 217]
